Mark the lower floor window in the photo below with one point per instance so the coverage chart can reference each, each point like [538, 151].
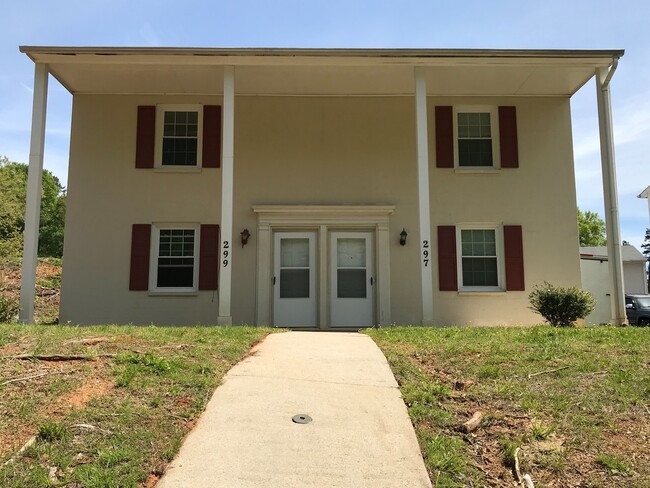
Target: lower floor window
[479, 258]
[176, 258]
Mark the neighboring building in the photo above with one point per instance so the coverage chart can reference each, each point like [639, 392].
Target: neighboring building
[594, 268]
[327, 159]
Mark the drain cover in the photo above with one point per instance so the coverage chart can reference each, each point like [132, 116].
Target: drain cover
[301, 418]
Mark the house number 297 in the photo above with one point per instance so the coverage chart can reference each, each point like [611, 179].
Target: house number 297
[225, 253]
[425, 253]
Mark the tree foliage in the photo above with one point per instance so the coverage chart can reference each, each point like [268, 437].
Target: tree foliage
[591, 229]
[13, 190]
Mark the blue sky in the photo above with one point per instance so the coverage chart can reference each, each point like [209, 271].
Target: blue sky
[584, 24]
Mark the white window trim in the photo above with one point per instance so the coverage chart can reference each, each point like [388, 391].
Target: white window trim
[498, 237]
[494, 129]
[153, 259]
[160, 127]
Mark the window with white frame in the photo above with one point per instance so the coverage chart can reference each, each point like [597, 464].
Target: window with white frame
[476, 137]
[178, 136]
[175, 258]
[480, 258]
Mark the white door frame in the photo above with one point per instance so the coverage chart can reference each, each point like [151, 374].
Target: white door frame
[295, 312]
[323, 218]
[352, 311]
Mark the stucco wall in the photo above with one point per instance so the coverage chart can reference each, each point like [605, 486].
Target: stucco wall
[317, 150]
[595, 279]
[634, 278]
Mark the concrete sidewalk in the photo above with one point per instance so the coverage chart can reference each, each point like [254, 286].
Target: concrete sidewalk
[360, 435]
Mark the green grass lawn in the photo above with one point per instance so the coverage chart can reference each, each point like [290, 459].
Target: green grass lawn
[582, 417]
[116, 418]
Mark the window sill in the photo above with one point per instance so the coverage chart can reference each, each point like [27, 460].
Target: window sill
[173, 293]
[487, 293]
[471, 170]
[177, 169]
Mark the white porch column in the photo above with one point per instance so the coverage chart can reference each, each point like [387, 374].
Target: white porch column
[423, 195]
[227, 160]
[617, 296]
[34, 185]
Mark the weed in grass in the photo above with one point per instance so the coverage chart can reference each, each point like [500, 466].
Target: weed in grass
[52, 431]
[445, 454]
[155, 402]
[554, 461]
[509, 448]
[126, 375]
[539, 431]
[612, 463]
[489, 371]
[159, 365]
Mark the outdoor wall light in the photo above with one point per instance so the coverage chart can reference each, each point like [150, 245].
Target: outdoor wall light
[245, 235]
[402, 237]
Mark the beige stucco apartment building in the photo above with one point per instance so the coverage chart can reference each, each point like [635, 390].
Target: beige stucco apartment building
[317, 188]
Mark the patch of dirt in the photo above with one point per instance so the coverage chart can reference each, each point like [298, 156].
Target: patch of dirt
[150, 482]
[15, 431]
[77, 399]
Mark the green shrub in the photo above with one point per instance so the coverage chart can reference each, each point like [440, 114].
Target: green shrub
[561, 307]
[9, 308]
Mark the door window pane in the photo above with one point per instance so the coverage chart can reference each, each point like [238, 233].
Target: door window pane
[351, 283]
[294, 283]
[294, 253]
[351, 253]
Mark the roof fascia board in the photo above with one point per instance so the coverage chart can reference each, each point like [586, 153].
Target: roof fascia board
[309, 57]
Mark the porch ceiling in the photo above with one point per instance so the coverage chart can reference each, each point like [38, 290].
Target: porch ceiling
[333, 72]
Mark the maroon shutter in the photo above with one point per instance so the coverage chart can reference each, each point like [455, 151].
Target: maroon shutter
[146, 136]
[209, 257]
[211, 136]
[140, 246]
[444, 137]
[514, 251]
[508, 137]
[447, 264]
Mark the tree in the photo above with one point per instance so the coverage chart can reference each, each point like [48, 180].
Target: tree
[591, 229]
[13, 190]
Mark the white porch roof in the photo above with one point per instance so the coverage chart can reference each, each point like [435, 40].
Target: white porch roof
[448, 72]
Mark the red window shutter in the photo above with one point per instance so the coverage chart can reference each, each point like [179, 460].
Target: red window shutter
[444, 137]
[209, 257]
[447, 264]
[508, 137]
[146, 136]
[140, 248]
[514, 251]
[211, 136]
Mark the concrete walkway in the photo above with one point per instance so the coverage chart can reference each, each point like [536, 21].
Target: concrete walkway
[360, 435]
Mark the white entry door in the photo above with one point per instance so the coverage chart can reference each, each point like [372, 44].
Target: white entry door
[352, 279]
[294, 281]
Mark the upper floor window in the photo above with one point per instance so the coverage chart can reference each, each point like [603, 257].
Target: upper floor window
[476, 131]
[178, 135]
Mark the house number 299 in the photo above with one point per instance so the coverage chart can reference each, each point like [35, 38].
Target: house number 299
[425, 253]
[225, 253]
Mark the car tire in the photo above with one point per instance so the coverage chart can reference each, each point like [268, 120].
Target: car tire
[644, 322]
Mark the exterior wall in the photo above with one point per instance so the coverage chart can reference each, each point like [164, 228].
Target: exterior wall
[595, 280]
[312, 150]
[634, 278]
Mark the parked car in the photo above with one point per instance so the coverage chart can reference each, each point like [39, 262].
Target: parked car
[638, 309]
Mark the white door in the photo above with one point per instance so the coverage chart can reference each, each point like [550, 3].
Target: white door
[352, 278]
[294, 279]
